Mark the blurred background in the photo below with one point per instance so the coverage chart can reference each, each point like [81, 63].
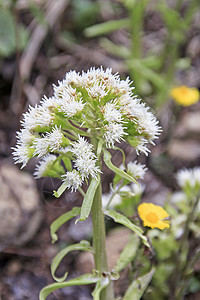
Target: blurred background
[154, 42]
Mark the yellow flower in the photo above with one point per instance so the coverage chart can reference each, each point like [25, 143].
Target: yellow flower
[184, 95]
[153, 215]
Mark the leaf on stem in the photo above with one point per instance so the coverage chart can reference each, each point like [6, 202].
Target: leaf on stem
[119, 218]
[60, 190]
[138, 286]
[88, 199]
[109, 164]
[106, 27]
[127, 254]
[99, 147]
[101, 284]
[81, 280]
[83, 245]
[61, 220]
[67, 162]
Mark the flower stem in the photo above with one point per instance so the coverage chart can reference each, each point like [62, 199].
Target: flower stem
[99, 238]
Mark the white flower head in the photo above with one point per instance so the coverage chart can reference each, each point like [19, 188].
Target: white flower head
[114, 132]
[189, 177]
[72, 77]
[185, 176]
[25, 136]
[71, 108]
[178, 197]
[135, 169]
[48, 104]
[37, 116]
[50, 142]
[111, 113]
[86, 166]
[64, 86]
[146, 122]
[97, 90]
[81, 147]
[141, 145]
[85, 159]
[55, 138]
[22, 154]
[73, 180]
[44, 165]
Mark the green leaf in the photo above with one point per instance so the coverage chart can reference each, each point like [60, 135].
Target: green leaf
[81, 280]
[67, 162]
[118, 218]
[138, 286]
[101, 284]
[9, 44]
[7, 33]
[146, 72]
[60, 190]
[109, 164]
[83, 245]
[127, 254]
[99, 148]
[123, 155]
[88, 200]
[116, 180]
[115, 49]
[106, 27]
[61, 220]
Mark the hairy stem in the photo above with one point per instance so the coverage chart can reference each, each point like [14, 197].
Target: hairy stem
[99, 238]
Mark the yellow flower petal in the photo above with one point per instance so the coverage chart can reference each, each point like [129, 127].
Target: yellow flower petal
[184, 95]
[153, 215]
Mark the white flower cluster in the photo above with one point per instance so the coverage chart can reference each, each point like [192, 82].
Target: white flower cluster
[84, 161]
[49, 142]
[122, 113]
[95, 104]
[190, 177]
[73, 180]
[135, 169]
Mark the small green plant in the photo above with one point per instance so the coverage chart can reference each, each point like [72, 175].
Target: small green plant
[71, 133]
[177, 250]
[153, 68]
[13, 36]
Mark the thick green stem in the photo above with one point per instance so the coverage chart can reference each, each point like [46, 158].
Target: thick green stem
[99, 245]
